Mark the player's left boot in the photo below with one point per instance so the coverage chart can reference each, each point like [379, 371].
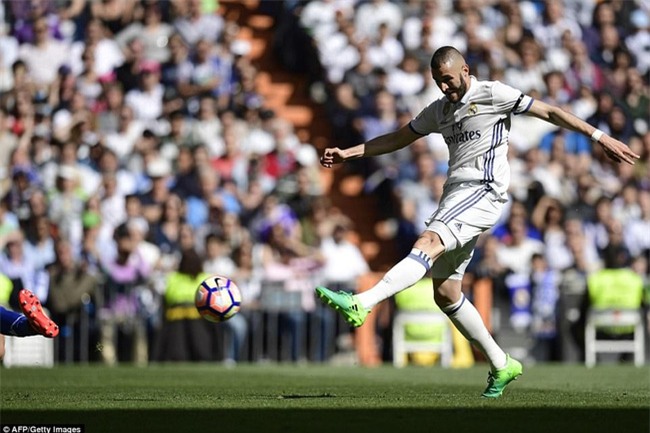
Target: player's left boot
[345, 303]
[498, 380]
[32, 309]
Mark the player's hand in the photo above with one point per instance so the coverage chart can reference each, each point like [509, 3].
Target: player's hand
[616, 150]
[331, 156]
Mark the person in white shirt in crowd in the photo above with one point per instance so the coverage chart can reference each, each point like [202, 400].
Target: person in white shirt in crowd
[407, 79]
[146, 100]
[370, 16]
[152, 31]
[108, 54]
[339, 51]
[385, 50]
[17, 265]
[45, 56]
[638, 41]
[637, 230]
[195, 25]
[344, 262]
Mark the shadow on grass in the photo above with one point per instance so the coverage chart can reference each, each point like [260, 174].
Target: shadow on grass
[341, 421]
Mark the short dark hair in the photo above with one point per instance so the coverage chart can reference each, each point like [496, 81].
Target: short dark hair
[191, 263]
[444, 55]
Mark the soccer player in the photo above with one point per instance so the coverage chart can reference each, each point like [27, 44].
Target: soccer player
[32, 321]
[474, 119]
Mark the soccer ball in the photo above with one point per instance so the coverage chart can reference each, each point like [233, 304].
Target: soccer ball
[217, 298]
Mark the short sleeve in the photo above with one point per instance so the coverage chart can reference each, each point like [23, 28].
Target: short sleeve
[507, 99]
[425, 122]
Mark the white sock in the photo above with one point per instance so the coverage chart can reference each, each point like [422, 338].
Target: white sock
[401, 276]
[469, 322]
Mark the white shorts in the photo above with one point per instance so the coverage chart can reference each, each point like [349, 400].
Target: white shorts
[466, 210]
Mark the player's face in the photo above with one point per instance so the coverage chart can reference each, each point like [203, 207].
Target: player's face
[453, 79]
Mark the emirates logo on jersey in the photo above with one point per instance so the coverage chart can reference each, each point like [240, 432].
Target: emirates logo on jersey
[459, 136]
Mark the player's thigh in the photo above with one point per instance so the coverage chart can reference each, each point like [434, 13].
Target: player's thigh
[2, 347]
[466, 210]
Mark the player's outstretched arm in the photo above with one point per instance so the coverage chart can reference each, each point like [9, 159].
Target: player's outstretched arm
[614, 149]
[377, 146]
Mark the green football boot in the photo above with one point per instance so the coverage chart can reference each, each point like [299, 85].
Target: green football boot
[345, 303]
[498, 380]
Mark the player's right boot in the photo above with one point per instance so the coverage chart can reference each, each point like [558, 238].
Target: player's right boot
[498, 380]
[32, 309]
[345, 303]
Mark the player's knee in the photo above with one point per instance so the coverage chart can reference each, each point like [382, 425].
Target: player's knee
[430, 243]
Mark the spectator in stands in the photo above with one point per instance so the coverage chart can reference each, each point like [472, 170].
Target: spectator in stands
[158, 171]
[554, 24]
[637, 229]
[22, 188]
[529, 73]
[114, 14]
[406, 80]
[128, 73]
[370, 17]
[193, 24]
[384, 117]
[638, 40]
[166, 233]
[549, 218]
[208, 128]
[339, 254]
[603, 14]
[290, 264]
[186, 179]
[146, 99]
[107, 53]
[544, 305]
[152, 31]
[637, 100]
[18, 266]
[39, 243]
[610, 41]
[516, 254]
[170, 69]
[204, 74]
[71, 290]
[44, 56]
[384, 50]
[67, 204]
[185, 336]
[122, 326]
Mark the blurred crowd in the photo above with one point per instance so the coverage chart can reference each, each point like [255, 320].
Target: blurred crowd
[137, 156]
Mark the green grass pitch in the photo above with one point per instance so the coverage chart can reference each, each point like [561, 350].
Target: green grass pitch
[290, 398]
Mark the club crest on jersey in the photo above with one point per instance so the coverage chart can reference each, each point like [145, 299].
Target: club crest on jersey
[473, 109]
[446, 108]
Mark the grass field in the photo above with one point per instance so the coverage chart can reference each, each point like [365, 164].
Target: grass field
[289, 398]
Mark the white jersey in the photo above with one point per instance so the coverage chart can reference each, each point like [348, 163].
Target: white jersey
[476, 131]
